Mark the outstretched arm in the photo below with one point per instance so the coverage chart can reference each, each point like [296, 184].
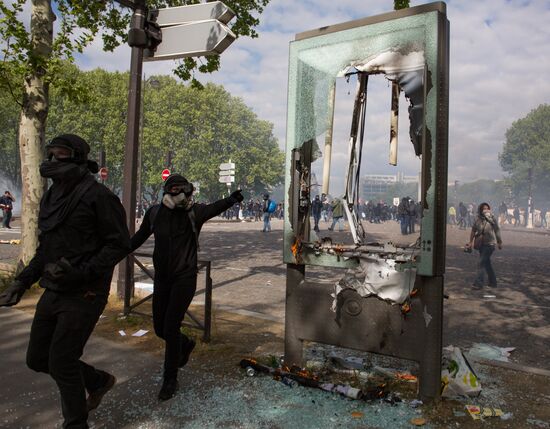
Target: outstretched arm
[144, 231]
[214, 209]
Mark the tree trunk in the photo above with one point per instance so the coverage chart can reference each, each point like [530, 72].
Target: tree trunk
[32, 126]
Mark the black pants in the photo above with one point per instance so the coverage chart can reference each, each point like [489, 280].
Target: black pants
[6, 217]
[61, 327]
[171, 299]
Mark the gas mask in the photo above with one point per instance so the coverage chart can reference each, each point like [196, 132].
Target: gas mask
[179, 199]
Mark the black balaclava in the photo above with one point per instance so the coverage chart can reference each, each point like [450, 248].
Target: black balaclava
[182, 199]
[74, 167]
[71, 178]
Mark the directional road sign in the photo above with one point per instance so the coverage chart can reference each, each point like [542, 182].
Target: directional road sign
[227, 179]
[196, 12]
[227, 166]
[227, 172]
[194, 39]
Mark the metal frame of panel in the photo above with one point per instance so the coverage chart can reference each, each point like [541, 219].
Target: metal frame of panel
[368, 324]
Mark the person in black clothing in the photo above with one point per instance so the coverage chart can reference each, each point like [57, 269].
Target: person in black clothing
[6, 204]
[83, 234]
[266, 213]
[176, 224]
[316, 207]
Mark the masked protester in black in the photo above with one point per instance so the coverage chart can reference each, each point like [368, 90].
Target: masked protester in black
[176, 224]
[83, 234]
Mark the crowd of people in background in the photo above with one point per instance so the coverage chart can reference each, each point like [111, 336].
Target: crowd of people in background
[463, 215]
[407, 213]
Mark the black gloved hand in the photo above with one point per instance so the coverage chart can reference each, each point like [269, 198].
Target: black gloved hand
[12, 294]
[236, 197]
[63, 273]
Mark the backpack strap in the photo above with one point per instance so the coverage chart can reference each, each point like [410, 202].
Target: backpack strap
[191, 214]
[152, 215]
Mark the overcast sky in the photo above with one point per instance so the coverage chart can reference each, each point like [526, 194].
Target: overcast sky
[500, 66]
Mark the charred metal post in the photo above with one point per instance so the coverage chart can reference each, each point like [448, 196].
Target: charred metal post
[395, 92]
[125, 287]
[295, 276]
[328, 139]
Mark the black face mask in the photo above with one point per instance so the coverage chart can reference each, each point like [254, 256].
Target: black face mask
[61, 170]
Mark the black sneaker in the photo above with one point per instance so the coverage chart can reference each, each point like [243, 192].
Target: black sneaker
[94, 398]
[168, 389]
[477, 287]
[186, 350]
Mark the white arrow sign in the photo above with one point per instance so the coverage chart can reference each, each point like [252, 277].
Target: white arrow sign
[227, 179]
[227, 166]
[194, 39]
[196, 12]
[227, 172]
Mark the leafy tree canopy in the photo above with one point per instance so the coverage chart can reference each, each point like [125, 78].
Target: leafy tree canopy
[525, 155]
[200, 129]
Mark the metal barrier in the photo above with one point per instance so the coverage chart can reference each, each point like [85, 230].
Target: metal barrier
[206, 325]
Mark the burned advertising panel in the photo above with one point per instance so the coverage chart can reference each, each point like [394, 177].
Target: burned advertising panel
[389, 296]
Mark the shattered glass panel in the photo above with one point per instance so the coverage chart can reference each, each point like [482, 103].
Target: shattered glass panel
[403, 51]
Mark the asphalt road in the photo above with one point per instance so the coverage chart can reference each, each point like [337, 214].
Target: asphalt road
[249, 279]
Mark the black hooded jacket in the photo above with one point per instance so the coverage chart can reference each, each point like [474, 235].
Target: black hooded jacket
[93, 237]
[175, 254]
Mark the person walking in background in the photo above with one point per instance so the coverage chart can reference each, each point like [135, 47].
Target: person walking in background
[6, 204]
[502, 213]
[316, 207]
[486, 232]
[412, 215]
[470, 218]
[462, 214]
[266, 213]
[543, 222]
[337, 214]
[403, 215]
[516, 216]
[452, 215]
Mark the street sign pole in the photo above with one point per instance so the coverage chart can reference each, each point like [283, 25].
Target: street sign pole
[125, 284]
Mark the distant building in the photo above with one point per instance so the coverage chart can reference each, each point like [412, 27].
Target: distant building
[377, 185]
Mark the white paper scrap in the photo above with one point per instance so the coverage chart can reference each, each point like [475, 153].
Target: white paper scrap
[122, 333]
[140, 333]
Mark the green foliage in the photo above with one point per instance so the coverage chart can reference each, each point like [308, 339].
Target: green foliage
[201, 129]
[9, 145]
[483, 190]
[401, 4]
[527, 149]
